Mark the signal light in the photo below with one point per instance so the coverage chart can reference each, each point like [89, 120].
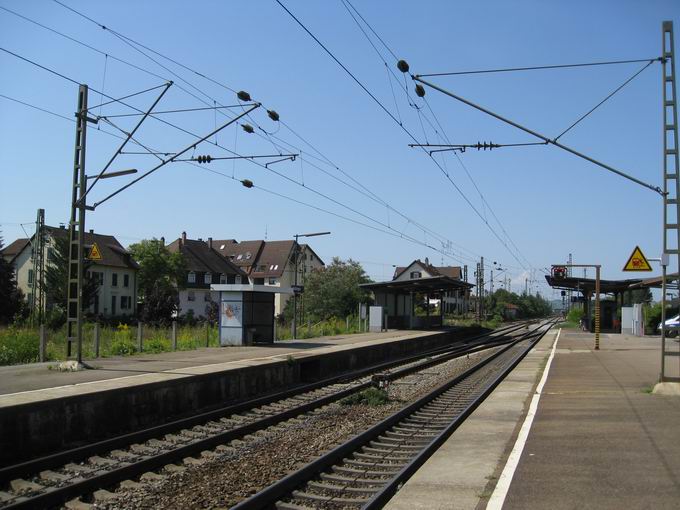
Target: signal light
[420, 90]
[247, 183]
[247, 128]
[273, 115]
[204, 159]
[402, 65]
[243, 95]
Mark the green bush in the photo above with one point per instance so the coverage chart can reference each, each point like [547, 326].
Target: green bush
[156, 345]
[18, 345]
[123, 347]
[370, 396]
[575, 315]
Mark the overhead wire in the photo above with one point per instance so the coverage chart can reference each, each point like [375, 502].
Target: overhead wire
[130, 42]
[313, 190]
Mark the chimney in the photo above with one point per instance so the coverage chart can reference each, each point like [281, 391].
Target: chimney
[427, 261]
[91, 231]
[163, 241]
[183, 239]
[210, 243]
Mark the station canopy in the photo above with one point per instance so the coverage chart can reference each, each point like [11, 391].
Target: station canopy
[611, 286]
[423, 285]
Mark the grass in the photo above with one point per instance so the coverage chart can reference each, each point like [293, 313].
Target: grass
[329, 327]
[369, 396]
[568, 325]
[20, 344]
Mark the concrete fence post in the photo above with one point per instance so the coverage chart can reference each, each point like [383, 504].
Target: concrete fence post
[43, 344]
[274, 331]
[140, 336]
[96, 339]
[207, 333]
[174, 335]
[347, 324]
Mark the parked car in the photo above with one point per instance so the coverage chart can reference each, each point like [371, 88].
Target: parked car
[672, 326]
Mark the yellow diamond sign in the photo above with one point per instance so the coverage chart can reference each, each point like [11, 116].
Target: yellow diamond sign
[637, 261]
[95, 254]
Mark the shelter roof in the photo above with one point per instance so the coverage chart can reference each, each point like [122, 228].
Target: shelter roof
[432, 284]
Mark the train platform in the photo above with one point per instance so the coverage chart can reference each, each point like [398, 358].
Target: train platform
[40, 381]
[570, 427]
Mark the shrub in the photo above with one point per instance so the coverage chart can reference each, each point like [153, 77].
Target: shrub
[123, 347]
[156, 345]
[18, 345]
[55, 318]
[370, 396]
[575, 315]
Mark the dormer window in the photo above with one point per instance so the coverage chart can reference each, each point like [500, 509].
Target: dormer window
[415, 275]
[248, 255]
[191, 278]
[207, 278]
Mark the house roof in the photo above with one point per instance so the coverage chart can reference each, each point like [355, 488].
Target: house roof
[305, 247]
[199, 257]
[14, 248]
[112, 252]
[273, 258]
[450, 271]
[439, 283]
[243, 254]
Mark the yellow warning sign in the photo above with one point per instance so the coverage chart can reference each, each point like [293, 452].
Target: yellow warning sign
[637, 261]
[95, 254]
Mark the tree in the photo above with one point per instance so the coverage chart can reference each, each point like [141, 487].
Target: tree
[11, 297]
[161, 274]
[56, 278]
[333, 291]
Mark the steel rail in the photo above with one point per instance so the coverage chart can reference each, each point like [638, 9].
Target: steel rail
[283, 488]
[74, 454]
[55, 495]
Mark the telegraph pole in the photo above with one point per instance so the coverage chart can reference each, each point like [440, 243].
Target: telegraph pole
[37, 250]
[76, 231]
[569, 292]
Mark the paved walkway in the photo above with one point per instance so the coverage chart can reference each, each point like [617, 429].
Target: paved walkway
[24, 383]
[599, 438]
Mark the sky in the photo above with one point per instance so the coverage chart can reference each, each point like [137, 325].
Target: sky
[385, 203]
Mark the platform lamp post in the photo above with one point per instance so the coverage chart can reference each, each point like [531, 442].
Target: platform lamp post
[296, 289]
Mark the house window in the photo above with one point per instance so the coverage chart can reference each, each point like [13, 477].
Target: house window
[276, 266]
[50, 254]
[126, 280]
[191, 278]
[206, 297]
[237, 280]
[415, 274]
[272, 281]
[113, 305]
[114, 279]
[240, 256]
[258, 281]
[30, 276]
[223, 278]
[207, 278]
[124, 302]
[191, 296]
[248, 255]
[29, 298]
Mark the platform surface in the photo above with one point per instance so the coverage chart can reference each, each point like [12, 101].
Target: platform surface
[599, 438]
[35, 382]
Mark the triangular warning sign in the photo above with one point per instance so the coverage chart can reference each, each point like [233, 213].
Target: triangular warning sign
[637, 261]
[95, 254]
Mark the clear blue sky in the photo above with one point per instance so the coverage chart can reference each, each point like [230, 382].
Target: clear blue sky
[549, 202]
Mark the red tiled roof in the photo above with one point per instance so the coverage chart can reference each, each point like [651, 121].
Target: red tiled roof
[14, 248]
[273, 258]
[199, 257]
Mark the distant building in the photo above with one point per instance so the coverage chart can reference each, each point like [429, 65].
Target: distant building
[205, 266]
[454, 301]
[116, 272]
[271, 263]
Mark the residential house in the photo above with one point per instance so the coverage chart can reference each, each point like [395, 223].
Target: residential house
[116, 271]
[272, 263]
[454, 301]
[204, 266]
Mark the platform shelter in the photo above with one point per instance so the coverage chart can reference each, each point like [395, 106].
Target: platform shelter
[399, 297]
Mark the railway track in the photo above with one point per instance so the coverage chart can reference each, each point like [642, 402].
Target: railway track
[55, 479]
[367, 470]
